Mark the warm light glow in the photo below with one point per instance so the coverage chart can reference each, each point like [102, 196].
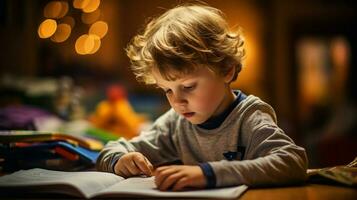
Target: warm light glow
[99, 28]
[55, 9]
[87, 44]
[47, 28]
[77, 4]
[91, 6]
[90, 18]
[83, 45]
[313, 79]
[62, 33]
[64, 9]
[52, 9]
[68, 20]
[58, 26]
[80, 4]
[250, 69]
[340, 51]
[97, 43]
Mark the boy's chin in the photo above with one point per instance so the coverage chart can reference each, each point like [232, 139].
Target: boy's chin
[194, 118]
[196, 121]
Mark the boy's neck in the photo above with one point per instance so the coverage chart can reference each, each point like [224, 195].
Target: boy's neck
[227, 101]
[216, 121]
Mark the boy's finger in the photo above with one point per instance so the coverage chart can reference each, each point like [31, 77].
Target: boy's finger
[132, 168]
[170, 181]
[151, 167]
[143, 165]
[124, 172]
[163, 173]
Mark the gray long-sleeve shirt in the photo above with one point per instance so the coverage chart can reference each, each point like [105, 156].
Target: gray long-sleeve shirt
[270, 156]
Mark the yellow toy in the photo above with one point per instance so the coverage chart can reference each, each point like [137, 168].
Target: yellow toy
[117, 115]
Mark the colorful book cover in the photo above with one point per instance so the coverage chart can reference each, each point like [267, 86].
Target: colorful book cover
[39, 136]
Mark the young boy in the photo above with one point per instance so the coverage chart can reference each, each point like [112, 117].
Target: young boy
[221, 137]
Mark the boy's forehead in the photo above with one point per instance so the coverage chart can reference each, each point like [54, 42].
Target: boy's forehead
[173, 74]
[176, 76]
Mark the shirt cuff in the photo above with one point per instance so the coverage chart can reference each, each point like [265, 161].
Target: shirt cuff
[209, 174]
[113, 162]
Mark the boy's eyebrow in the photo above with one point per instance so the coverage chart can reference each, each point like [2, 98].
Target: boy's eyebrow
[182, 82]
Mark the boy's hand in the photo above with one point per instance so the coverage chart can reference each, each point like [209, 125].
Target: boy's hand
[178, 177]
[133, 164]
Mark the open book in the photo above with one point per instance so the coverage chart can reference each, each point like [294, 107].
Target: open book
[99, 184]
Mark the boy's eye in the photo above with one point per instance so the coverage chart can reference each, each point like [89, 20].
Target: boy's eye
[190, 87]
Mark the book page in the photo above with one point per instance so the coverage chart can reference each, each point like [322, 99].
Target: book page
[87, 183]
[102, 184]
[145, 186]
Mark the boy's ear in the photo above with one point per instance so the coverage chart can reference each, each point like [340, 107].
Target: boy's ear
[229, 76]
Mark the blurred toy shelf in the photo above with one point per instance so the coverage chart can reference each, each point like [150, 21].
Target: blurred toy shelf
[61, 125]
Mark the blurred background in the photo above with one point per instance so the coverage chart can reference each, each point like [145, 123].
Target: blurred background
[67, 58]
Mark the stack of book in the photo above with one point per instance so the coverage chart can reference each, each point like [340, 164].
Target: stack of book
[49, 150]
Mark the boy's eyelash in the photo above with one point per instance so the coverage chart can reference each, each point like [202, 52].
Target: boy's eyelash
[166, 91]
[190, 87]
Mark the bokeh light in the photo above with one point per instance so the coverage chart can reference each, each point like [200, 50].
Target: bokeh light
[99, 28]
[47, 28]
[68, 20]
[87, 44]
[91, 6]
[62, 33]
[58, 26]
[97, 43]
[90, 18]
[55, 9]
[80, 4]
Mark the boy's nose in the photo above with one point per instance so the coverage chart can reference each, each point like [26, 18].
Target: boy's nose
[179, 100]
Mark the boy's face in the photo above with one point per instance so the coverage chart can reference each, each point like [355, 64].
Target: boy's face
[198, 95]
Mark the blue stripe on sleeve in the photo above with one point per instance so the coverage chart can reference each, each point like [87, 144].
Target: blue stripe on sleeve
[113, 162]
[209, 174]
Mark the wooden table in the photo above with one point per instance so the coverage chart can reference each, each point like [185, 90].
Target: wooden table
[308, 191]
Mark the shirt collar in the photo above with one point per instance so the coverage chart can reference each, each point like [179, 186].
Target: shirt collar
[216, 121]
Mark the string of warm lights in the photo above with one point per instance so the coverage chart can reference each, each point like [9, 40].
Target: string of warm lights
[58, 25]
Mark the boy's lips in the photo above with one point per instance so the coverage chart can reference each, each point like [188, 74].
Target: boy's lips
[188, 114]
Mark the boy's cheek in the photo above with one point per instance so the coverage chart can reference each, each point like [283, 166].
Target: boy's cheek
[208, 101]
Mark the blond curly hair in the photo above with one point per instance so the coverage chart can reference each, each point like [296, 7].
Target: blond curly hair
[182, 39]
